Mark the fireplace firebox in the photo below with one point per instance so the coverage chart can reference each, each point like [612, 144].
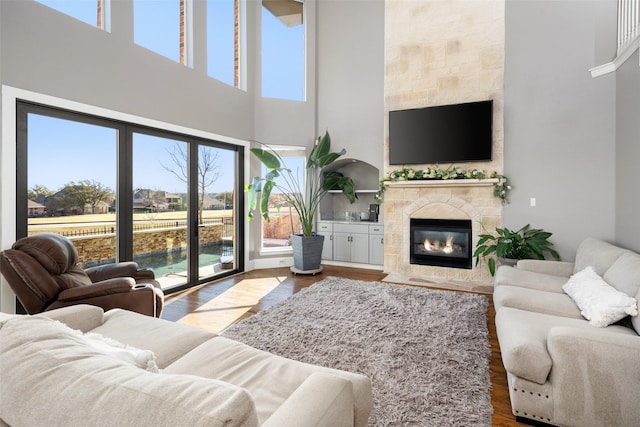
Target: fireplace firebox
[441, 242]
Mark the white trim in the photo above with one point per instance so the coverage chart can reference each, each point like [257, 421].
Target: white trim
[618, 61]
[263, 263]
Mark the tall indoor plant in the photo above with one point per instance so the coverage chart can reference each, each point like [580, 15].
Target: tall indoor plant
[302, 192]
[512, 245]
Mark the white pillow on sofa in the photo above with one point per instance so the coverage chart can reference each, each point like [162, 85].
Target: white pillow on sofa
[599, 302]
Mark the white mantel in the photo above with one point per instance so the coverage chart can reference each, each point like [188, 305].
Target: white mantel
[443, 183]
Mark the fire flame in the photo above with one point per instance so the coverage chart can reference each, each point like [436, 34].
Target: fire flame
[437, 246]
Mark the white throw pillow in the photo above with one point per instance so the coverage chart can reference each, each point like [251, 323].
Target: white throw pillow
[600, 303]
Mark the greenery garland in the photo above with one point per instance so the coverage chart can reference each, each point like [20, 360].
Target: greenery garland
[407, 174]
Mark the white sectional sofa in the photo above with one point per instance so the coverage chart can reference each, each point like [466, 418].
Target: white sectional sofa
[81, 366]
[562, 368]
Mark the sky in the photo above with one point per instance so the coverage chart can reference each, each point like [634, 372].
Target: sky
[156, 27]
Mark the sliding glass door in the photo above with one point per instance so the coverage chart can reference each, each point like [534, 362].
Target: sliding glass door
[121, 191]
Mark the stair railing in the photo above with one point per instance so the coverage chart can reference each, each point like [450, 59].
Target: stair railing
[628, 36]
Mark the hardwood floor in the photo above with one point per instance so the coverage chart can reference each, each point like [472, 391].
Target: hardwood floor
[219, 304]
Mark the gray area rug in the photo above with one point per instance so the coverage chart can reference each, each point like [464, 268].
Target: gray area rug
[426, 351]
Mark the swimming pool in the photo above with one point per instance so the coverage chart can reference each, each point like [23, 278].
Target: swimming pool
[175, 263]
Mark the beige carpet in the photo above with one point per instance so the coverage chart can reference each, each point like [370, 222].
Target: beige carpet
[455, 285]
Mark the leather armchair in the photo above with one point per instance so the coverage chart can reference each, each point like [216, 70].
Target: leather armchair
[43, 272]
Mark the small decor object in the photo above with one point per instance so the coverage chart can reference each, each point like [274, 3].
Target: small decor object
[506, 244]
[435, 173]
[302, 193]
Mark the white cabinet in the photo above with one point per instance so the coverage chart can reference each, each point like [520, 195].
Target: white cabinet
[376, 244]
[351, 242]
[326, 229]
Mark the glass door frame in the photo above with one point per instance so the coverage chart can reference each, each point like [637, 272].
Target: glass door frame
[124, 190]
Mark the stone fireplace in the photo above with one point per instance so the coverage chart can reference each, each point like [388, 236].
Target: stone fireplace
[449, 204]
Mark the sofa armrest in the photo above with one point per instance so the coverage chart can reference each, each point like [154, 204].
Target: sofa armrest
[82, 316]
[323, 400]
[595, 376]
[98, 289]
[555, 268]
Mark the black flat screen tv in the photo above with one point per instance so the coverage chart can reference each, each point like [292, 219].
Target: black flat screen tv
[441, 134]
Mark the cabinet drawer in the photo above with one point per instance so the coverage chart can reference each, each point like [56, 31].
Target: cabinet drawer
[351, 228]
[325, 228]
[376, 229]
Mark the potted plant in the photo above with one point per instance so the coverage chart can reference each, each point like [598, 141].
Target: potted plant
[509, 246]
[303, 193]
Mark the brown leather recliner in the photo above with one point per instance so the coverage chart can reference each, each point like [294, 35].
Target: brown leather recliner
[44, 274]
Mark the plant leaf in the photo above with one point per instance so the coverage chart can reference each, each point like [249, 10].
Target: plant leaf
[267, 157]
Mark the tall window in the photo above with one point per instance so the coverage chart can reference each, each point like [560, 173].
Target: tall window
[283, 51]
[283, 219]
[159, 25]
[224, 30]
[92, 12]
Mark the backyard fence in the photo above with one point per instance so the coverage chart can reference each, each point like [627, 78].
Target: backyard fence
[226, 222]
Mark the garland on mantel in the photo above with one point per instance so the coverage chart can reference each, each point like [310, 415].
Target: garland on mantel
[435, 173]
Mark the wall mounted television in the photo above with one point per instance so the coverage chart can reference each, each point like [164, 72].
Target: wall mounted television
[441, 134]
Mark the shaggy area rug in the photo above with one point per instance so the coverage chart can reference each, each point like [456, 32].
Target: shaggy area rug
[425, 351]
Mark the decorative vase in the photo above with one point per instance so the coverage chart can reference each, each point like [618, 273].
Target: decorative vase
[307, 252]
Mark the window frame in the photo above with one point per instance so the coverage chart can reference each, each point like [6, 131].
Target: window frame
[124, 190]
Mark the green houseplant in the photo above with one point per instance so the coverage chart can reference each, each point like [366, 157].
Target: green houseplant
[302, 192]
[506, 244]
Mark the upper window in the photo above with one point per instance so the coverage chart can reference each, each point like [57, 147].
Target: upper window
[159, 25]
[223, 41]
[283, 53]
[92, 12]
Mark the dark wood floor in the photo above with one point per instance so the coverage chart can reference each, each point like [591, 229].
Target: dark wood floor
[232, 299]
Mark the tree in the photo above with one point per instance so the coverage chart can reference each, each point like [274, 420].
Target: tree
[79, 195]
[207, 169]
[95, 193]
[39, 191]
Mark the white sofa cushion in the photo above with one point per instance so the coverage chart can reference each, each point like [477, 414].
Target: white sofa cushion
[169, 341]
[599, 302]
[624, 274]
[49, 377]
[270, 379]
[597, 254]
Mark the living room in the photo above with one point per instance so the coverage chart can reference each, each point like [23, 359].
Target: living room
[563, 138]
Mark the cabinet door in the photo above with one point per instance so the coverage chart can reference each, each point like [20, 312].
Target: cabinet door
[376, 244]
[376, 249]
[341, 247]
[327, 247]
[326, 229]
[360, 248]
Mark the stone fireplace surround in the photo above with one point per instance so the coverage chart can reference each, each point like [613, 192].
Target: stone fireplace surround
[445, 199]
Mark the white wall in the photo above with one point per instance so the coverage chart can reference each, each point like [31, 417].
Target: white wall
[560, 123]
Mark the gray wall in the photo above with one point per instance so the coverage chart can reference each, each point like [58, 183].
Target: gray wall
[628, 154]
[560, 123]
[350, 65]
